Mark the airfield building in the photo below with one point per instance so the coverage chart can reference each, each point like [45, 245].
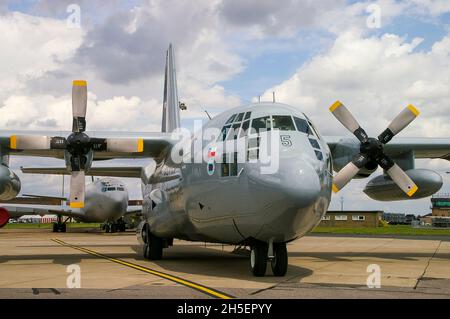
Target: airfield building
[351, 219]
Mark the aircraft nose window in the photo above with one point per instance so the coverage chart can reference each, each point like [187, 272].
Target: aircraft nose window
[110, 189]
[283, 123]
[302, 125]
[121, 189]
[261, 124]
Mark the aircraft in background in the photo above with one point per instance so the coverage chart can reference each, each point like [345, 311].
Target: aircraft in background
[107, 202]
[227, 200]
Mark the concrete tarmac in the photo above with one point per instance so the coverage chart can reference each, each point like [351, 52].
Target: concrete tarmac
[33, 265]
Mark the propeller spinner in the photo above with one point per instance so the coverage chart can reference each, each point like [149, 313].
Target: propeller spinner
[78, 144]
[371, 149]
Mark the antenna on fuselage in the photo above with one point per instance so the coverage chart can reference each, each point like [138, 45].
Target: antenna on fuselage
[273, 97]
[207, 114]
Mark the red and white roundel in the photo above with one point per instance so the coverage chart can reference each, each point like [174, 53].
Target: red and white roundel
[4, 216]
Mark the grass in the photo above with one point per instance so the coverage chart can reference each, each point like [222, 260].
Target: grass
[403, 230]
[49, 226]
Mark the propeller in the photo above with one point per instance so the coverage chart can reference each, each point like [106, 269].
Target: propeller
[371, 149]
[78, 144]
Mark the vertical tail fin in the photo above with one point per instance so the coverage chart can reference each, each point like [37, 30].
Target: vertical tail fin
[171, 110]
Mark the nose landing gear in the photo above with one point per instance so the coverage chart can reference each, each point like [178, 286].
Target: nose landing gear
[276, 253]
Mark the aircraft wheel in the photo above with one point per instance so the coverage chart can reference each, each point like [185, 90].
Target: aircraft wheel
[113, 228]
[63, 228]
[153, 249]
[55, 227]
[258, 259]
[107, 228]
[280, 262]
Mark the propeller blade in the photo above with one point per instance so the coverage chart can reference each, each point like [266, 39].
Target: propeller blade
[402, 180]
[79, 105]
[29, 142]
[346, 118]
[125, 145]
[401, 121]
[77, 189]
[398, 175]
[349, 171]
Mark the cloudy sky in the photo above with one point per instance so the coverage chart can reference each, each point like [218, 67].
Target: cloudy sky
[375, 56]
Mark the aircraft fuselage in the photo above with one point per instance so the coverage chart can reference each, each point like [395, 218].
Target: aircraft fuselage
[228, 203]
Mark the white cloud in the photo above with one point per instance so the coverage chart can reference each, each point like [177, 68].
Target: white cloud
[32, 46]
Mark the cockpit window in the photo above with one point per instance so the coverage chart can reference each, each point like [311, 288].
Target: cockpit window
[244, 129]
[110, 189]
[247, 115]
[283, 123]
[261, 124]
[234, 132]
[120, 189]
[230, 120]
[239, 117]
[223, 134]
[302, 125]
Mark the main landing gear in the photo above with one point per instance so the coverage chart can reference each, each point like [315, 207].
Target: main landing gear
[153, 245]
[60, 225]
[118, 226]
[262, 252]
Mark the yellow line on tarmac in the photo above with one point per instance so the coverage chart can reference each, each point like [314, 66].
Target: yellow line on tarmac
[187, 283]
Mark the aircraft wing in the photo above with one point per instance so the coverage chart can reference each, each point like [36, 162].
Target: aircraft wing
[421, 147]
[119, 171]
[18, 210]
[155, 144]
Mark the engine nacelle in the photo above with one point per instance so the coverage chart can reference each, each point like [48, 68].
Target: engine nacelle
[4, 216]
[382, 188]
[9, 184]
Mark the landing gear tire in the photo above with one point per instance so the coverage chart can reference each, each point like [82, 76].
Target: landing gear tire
[280, 262]
[107, 228]
[113, 228]
[59, 227]
[258, 259]
[153, 248]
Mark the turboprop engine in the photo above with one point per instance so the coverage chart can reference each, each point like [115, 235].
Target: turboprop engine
[383, 188]
[9, 183]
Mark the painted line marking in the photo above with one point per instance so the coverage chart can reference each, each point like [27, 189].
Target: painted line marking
[206, 290]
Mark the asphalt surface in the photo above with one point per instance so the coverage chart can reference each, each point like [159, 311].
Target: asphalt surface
[37, 264]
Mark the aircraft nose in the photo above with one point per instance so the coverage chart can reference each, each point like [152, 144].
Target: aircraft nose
[300, 182]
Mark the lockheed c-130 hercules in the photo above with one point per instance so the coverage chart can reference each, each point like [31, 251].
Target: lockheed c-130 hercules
[227, 198]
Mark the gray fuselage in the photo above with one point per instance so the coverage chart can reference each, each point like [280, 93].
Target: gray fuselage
[217, 202]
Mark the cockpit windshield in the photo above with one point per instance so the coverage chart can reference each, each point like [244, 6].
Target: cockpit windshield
[283, 123]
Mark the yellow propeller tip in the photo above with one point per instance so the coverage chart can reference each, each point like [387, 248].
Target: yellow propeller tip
[413, 110]
[335, 106]
[79, 83]
[412, 191]
[335, 188]
[77, 205]
[140, 145]
[13, 142]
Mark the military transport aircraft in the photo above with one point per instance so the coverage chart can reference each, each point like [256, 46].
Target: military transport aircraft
[229, 197]
[107, 201]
